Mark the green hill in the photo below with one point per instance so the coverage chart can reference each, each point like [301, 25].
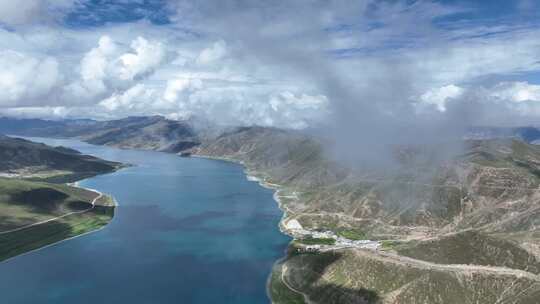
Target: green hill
[36, 209]
[36, 214]
[26, 159]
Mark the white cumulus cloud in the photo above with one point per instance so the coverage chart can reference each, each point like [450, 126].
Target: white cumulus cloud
[517, 91]
[217, 51]
[24, 78]
[179, 85]
[109, 68]
[440, 96]
[146, 56]
[134, 99]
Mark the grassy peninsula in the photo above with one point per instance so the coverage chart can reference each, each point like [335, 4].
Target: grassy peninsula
[37, 208]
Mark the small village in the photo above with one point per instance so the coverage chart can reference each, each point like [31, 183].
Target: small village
[328, 239]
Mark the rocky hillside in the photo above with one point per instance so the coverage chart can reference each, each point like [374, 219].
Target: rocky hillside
[472, 190]
[285, 157]
[362, 276]
[490, 186]
[479, 208]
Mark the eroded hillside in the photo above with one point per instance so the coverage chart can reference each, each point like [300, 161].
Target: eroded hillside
[479, 208]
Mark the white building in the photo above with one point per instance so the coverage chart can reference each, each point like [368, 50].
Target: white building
[293, 225]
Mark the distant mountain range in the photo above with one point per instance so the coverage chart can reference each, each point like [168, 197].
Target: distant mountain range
[527, 134]
[480, 208]
[154, 132]
[159, 133]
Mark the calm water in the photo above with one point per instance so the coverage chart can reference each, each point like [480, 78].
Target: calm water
[187, 230]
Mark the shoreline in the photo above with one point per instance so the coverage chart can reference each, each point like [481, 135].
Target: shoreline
[78, 185]
[255, 176]
[251, 175]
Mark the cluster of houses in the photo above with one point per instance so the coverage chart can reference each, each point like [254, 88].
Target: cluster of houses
[297, 231]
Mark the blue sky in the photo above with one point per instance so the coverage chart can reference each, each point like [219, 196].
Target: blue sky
[282, 63]
[101, 12]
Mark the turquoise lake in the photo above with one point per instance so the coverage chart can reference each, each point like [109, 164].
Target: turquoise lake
[187, 230]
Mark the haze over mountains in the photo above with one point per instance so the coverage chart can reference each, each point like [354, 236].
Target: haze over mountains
[478, 208]
[162, 132]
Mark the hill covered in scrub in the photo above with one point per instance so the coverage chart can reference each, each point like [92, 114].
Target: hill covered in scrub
[362, 276]
[441, 197]
[456, 229]
[478, 208]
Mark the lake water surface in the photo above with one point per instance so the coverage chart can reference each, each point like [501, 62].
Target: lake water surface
[188, 230]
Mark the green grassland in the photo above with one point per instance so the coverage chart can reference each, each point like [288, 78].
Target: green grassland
[352, 234]
[317, 241]
[23, 203]
[389, 244]
[35, 237]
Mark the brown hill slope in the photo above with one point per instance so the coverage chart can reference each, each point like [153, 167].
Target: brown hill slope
[479, 208]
